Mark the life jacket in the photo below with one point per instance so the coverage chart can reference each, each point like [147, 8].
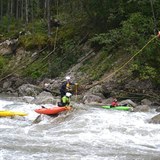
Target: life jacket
[65, 100]
[114, 104]
[68, 86]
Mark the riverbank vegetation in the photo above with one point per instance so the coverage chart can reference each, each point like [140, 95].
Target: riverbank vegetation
[61, 33]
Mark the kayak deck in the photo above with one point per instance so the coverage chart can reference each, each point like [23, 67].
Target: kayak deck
[52, 111]
[124, 108]
[6, 113]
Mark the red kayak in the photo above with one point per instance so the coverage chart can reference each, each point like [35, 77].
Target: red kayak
[52, 111]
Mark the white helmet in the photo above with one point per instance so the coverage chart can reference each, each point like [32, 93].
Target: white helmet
[68, 78]
[68, 94]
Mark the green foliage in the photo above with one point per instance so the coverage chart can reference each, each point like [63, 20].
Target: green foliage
[67, 55]
[101, 64]
[9, 27]
[143, 71]
[105, 40]
[37, 26]
[3, 64]
[35, 70]
[33, 40]
[103, 15]
[135, 29]
[114, 28]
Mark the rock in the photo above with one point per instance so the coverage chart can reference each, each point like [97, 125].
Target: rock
[128, 102]
[5, 51]
[137, 85]
[158, 109]
[155, 119]
[97, 90]
[146, 102]
[92, 99]
[27, 99]
[44, 98]
[141, 108]
[52, 86]
[6, 84]
[29, 90]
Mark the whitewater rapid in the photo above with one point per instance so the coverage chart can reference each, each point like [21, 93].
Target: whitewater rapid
[86, 133]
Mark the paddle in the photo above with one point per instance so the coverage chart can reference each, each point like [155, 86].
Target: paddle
[76, 88]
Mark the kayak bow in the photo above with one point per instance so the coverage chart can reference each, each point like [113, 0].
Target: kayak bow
[7, 113]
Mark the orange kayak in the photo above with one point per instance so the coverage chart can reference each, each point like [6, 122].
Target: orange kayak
[52, 111]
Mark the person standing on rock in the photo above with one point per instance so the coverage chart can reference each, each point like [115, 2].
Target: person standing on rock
[66, 86]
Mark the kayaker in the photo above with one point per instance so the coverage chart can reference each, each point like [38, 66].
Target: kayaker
[65, 100]
[66, 86]
[114, 103]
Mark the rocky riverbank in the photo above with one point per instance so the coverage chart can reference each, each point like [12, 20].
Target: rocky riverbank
[141, 94]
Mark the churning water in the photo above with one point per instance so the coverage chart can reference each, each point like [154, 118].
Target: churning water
[86, 133]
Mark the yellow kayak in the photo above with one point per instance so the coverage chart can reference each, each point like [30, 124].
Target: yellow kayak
[6, 113]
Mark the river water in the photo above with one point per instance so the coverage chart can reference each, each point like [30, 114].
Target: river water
[86, 133]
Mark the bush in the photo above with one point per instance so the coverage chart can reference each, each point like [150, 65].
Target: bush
[3, 64]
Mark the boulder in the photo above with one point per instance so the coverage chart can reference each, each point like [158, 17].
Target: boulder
[146, 102]
[128, 102]
[44, 98]
[158, 109]
[141, 108]
[29, 90]
[92, 99]
[155, 119]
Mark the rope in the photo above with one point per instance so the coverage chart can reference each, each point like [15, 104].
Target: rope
[103, 80]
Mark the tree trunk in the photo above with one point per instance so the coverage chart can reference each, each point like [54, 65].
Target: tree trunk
[48, 17]
[17, 9]
[26, 10]
[45, 9]
[11, 8]
[1, 9]
[32, 10]
[22, 10]
[8, 16]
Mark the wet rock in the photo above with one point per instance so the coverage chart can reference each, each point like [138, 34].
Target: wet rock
[141, 108]
[37, 120]
[44, 98]
[29, 90]
[97, 90]
[155, 119]
[158, 109]
[51, 86]
[128, 102]
[92, 99]
[146, 102]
